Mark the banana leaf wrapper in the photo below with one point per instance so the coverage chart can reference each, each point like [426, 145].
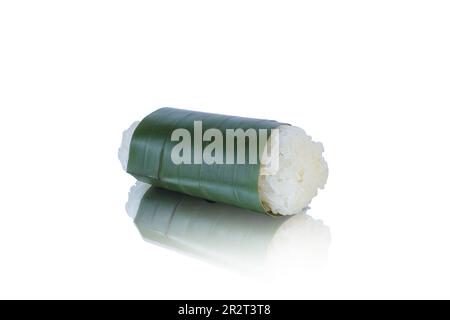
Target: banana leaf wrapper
[150, 158]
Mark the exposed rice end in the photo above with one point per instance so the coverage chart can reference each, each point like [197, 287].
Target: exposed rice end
[301, 173]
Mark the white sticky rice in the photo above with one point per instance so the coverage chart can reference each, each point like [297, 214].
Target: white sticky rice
[302, 171]
[124, 149]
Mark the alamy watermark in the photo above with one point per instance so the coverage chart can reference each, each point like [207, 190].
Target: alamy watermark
[238, 146]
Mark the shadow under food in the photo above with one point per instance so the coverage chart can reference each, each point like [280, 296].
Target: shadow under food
[230, 236]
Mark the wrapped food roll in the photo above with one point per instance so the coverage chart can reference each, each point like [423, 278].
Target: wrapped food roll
[224, 234]
[260, 165]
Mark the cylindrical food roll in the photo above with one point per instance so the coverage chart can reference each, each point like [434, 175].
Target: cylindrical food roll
[225, 234]
[261, 165]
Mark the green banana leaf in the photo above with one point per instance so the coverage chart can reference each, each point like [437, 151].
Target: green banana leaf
[150, 158]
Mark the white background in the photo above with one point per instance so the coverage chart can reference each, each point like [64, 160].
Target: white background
[369, 79]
